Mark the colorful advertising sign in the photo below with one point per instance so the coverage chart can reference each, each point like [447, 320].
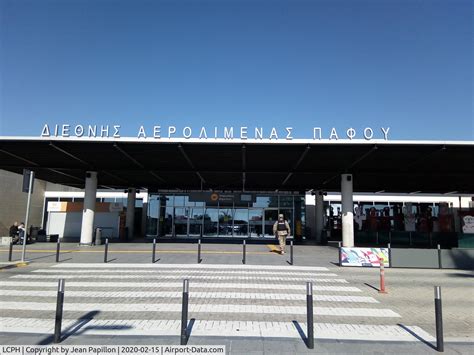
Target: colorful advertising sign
[364, 257]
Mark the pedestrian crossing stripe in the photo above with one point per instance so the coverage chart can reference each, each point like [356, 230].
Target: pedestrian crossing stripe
[192, 285]
[188, 266]
[178, 295]
[200, 308]
[178, 271]
[119, 276]
[365, 332]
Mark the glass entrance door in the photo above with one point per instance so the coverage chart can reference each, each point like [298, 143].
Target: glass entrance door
[211, 220]
[255, 222]
[241, 221]
[226, 221]
[271, 216]
[181, 222]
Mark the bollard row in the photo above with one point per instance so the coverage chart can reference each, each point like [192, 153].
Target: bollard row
[438, 319]
[153, 255]
[59, 311]
[184, 313]
[309, 315]
[106, 250]
[199, 251]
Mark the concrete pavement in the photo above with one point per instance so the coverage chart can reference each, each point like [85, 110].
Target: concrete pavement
[251, 309]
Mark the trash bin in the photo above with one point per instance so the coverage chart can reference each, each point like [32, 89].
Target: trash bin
[98, 236]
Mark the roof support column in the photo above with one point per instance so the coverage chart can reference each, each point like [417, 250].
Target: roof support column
[88, 212]
[347, 211]
[319, 201]
[131, 197]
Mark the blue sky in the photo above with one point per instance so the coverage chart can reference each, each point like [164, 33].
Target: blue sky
[402, 64]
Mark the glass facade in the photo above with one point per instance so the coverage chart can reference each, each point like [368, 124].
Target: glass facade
[176, 215]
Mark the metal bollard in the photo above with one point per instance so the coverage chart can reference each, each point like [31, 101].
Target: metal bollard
[10, 252]
[106, 250]
[382, 277]
[199, 251]
[59, 312]
[439, 319]
[309, 315]
[58, 246]
[153, 256]
[339, 253]
[184, 313]
[440, 264]
[291, 252]
[389, 253]
[243, 251]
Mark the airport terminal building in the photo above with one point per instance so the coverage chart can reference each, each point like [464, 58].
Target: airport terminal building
[234, 187]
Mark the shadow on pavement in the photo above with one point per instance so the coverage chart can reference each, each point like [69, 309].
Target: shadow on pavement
[300, 331]
[458, 274]
[79, 327]
[375, 288]
[417, 336]
[189, 328]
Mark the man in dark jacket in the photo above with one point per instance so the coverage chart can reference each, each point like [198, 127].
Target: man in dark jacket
[281, 229]
[14, 233]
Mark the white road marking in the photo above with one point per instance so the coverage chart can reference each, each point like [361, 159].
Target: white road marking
[199, 308]
[178, 294]
[119, 276]
[179, 285]
[189, 266]
[179, 271]
[216, 328]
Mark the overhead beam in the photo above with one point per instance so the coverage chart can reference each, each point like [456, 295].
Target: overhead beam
[351, 166]
[296, 165]
[115, 177]
[59, 149]
[423, 158]
[155, 175]
[128, 156]
[136, 162]
[190, 163]
[66, 174]
[362, 157]
[18, 157]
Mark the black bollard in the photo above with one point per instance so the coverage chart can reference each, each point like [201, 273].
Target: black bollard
[291, 252]
[184, 313]
[154, 251]
[199, 251]
[59, 312]
[389, 246]
[339, 252]
[440, 264]
[243, 251]
[309, 315]
[58, 246]
[10, 252]
[106, 250]
[439, 319]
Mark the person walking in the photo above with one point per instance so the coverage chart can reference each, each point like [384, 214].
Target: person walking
[21, 232]
[281, 229]
[14, 233]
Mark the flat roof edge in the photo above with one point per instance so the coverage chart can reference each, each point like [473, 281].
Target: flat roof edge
[151, 140]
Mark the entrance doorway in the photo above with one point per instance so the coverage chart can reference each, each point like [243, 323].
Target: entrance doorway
[271, 216]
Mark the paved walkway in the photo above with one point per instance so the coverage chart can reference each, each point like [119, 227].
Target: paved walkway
[259, 307]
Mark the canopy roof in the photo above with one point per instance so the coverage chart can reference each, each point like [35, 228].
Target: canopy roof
[263, 165]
